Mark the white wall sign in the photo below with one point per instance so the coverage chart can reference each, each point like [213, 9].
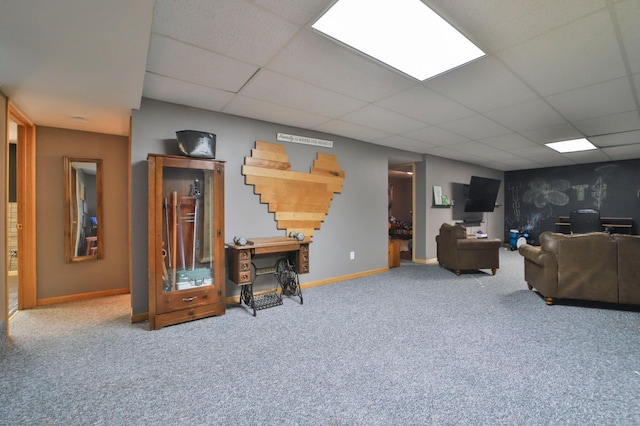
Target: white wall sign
[304, 140]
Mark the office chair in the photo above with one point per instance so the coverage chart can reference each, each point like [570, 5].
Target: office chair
[585, 220]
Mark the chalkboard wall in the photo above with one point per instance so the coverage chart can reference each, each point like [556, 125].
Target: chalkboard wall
[535, 198]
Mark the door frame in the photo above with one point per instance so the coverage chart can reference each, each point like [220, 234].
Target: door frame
[26, 198]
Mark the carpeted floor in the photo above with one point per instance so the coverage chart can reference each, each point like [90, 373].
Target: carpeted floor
[414, 346]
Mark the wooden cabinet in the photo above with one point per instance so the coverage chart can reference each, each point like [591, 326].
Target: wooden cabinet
[186, 239]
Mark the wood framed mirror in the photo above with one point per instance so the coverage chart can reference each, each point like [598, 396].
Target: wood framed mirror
[83, 227]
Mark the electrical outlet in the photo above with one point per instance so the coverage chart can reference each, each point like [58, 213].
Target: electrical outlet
[352, 255]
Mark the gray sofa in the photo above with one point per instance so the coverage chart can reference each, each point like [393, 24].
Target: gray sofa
[595, 267]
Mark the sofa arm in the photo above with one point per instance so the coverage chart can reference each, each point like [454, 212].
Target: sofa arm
[540, 271]
[536, 255]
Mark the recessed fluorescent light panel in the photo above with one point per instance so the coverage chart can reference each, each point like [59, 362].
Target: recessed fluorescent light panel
[573, 145]
[404, 34]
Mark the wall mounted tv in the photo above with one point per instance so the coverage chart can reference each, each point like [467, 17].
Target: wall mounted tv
[483, 193]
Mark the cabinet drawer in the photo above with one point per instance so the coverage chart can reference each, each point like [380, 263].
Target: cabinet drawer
[242, 277]
[185, 299]
[303, 259]
[244, 266]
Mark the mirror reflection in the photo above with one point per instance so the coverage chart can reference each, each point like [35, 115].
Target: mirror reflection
[83, 209]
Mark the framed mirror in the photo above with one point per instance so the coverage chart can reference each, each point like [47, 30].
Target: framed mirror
[83, 227]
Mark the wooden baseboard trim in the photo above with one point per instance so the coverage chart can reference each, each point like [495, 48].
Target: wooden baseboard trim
[344, 278]
[81, 296]
[425, 261]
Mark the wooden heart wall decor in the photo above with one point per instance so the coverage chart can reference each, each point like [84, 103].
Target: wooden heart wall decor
[300, 201]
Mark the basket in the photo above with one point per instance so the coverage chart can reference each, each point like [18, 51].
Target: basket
[193, 143]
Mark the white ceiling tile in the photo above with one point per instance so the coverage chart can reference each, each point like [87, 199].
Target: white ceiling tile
[609, 124]
[436, 136]
[276, 88]
[425, 105]
[623, 152]
[498, 24]
[233, 28]
[406, 144]
[474, 148]
[183, 93]
[593, 156]
[543, 155]
[506, 157]
[452, 154]
[351, 130]
[528, 115]
[521, 164]
[623, 138]
[482, 85]
[383, 119]
[185, 62]
[578, 54]
[442, 151]
[265, 111]
[508, 142]
[476, 127]
[490, 164]
[628, 15]
[315, 59]
[300, 12]
[552, 133]
[598, 100]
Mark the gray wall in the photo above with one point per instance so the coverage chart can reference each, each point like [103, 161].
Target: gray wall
[443, 172]
[357, 219]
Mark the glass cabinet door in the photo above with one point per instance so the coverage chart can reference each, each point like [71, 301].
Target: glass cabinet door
[188, 217]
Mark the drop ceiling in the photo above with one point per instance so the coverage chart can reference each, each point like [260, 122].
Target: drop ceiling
[554, 70]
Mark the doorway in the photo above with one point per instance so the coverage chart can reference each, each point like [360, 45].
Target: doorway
[12, 221]
[401, 209]
[20, 212]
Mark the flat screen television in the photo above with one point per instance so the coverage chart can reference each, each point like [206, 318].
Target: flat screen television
[483, 193]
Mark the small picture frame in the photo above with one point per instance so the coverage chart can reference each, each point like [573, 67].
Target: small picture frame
[437, 195]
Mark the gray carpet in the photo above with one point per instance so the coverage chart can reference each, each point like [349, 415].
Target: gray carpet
[414, 346]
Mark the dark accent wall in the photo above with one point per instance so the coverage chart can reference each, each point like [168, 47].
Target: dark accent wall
[535, 198]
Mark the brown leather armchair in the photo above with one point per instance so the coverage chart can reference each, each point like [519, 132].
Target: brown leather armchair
[456, 251]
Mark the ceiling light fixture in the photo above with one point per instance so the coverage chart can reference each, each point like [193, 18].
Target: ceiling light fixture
[404, 34]
[573, 145]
